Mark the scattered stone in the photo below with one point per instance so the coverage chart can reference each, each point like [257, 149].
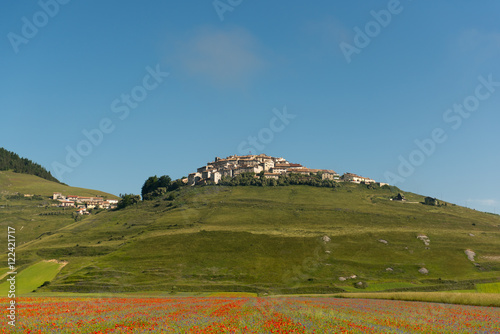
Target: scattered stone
[361, 285]
[383, 241]
[326, 238]
[471, 235]
[342, 279]
[470, 254]
[425, 239]
[423, 271]
[327, 252]
[389, 269]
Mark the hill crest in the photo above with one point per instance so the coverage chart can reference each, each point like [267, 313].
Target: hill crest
[12, 161]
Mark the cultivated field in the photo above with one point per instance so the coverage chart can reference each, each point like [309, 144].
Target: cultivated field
[249, 315]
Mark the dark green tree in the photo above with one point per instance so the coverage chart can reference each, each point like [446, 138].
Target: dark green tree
[127, 200]
[149, 186]
[164, 181]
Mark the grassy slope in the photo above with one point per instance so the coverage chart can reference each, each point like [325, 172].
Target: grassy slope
[32, 277]
[29, 216]
[11, 182]
[269, 239]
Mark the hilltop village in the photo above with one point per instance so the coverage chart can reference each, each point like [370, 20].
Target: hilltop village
[269, 167]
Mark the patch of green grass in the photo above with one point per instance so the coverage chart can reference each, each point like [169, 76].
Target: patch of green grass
[32, 277]
[489, 288]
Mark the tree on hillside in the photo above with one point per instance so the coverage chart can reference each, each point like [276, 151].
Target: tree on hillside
[164, 181]
[157, 186]
[149, 186]
[127, 200]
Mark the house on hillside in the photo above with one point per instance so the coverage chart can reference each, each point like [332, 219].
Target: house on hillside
[82, 211]
[193, 178]
[66, 203]
[431, 201]
[280, 169]
[215, 177]
[272, 176]
[328, 174]
[350, 177]
[300, 170]
[399, 197]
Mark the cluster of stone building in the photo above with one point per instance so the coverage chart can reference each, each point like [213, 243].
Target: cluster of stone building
[84, 203]
[271, 167]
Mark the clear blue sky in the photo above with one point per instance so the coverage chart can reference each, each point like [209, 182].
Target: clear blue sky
[363, 81]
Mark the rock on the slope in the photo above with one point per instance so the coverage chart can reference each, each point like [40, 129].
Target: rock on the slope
[383, 241]
[470, 254]
[326, 238]
[425, 239]
[423, 271]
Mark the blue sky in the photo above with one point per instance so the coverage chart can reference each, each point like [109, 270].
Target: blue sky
[164, 87]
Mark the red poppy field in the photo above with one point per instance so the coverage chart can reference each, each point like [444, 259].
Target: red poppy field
[247, 315]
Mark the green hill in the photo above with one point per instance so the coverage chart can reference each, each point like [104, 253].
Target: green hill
[12, 161]
[35, 216]
[11, 183]
[266, 239]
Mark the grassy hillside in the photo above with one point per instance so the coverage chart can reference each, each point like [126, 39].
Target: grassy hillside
[33, 277]
[35, 217]
[269, 239]
[11, 182]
